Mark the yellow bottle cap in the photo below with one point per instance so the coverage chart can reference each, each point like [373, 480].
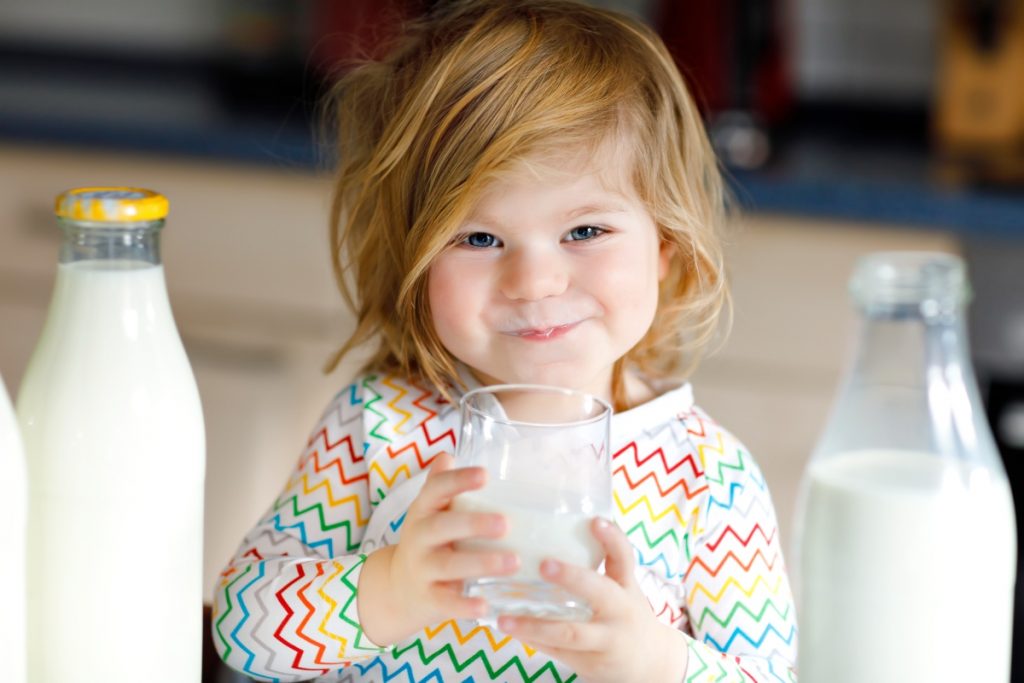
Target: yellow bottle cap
[111, 204]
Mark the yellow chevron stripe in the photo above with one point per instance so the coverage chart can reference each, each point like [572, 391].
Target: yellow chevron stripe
[703, 446]
[390, 481]
[699, 587]
[393, 403]
[671, 509]
[464, 638]
[343, 644]
[332, 502]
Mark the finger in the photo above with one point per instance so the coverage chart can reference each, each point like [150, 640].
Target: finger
[457, 605]
[448, 526]
[456, 565]
[619, 559]
[444, 483]
[600, 592]
[576, 636]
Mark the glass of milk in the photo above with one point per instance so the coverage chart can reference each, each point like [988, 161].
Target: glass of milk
[906, 532]
[545, 450]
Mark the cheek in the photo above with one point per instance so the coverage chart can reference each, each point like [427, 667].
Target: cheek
[453, 302]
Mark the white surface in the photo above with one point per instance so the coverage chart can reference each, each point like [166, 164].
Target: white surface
[906, 571]
[13, 511]
[113, 431]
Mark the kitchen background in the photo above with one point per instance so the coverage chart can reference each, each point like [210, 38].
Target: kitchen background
[846, 126]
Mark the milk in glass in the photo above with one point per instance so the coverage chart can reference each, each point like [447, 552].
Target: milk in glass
[114, 437]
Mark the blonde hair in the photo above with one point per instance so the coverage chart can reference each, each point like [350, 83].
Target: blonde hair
[475, 89]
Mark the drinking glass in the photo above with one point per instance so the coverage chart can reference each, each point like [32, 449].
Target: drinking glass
[545, 450]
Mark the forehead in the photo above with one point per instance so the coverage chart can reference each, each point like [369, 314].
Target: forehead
[603, 166]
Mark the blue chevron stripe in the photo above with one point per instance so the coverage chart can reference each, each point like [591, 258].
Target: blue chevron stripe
[245, 617]
[740, 633]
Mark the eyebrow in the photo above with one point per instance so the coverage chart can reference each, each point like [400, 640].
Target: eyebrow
[489, 222]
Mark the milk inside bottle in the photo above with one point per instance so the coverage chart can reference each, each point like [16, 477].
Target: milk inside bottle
[907, 539]
[113, 432]
[13, 511]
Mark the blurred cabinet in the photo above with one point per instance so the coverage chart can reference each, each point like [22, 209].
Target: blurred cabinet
[248, 271]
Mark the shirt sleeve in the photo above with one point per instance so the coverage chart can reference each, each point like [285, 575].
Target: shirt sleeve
[286, 606]
[737, 592]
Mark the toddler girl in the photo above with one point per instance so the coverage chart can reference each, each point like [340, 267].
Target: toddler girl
[525, 195]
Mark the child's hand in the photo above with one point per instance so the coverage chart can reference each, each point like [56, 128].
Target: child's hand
[418, 581]
[623, 641]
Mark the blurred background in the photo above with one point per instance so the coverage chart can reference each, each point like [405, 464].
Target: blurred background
[846, 126]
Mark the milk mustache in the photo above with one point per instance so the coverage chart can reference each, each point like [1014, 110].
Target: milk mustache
[113, 431]
[906, 543]
[13, 512]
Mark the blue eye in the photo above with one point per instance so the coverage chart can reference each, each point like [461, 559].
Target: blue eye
[584, 232]
[480, 240]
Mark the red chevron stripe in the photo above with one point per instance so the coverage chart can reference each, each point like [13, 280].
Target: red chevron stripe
[713, 545]
[278, 635]
[673, 615]
[336, 462]
[449, 434]
[697, 472]
[321, 648]
[699, 562]
[252, 552]
[425, 394]
[664, 492]
[412, 445]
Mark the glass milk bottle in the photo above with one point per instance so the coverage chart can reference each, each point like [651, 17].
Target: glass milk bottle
[907, 540]
[13, 511]
[114, 439]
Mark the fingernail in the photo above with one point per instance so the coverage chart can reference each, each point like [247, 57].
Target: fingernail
[550, 568]
[603, 524]
[510, 561]
[497, 524]
[507, 624]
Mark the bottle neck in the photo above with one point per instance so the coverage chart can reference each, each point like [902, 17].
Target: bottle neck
[912, 377]
[126, 242]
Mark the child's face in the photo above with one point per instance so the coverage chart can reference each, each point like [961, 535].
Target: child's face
[551, 281]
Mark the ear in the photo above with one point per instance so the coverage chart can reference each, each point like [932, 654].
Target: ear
[666, 251]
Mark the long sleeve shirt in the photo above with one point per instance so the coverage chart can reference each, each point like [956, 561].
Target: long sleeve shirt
[688, 495]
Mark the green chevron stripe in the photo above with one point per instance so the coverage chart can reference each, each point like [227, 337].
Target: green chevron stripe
[642, 527]
[417, 646]
[368, 406]
[350, 545]
[227, 597]
[741, 607]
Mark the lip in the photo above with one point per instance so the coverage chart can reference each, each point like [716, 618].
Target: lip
[545, 333]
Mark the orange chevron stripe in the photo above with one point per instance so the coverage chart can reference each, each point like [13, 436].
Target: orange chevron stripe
[415, 447]
[336, 463]
[325, 484]
[671, 509]
[424, 394]
[333, 606]
[699, 562]
[664, 492]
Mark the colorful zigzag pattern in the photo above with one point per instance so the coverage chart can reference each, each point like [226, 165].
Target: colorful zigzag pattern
[687, 494]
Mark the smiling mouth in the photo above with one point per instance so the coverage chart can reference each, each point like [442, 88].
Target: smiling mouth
[543, 334]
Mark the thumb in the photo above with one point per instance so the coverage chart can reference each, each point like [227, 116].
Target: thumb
[618, 561]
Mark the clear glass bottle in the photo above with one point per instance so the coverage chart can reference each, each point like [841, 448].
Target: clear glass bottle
[13, 513]
[114, 439]
[906, 535]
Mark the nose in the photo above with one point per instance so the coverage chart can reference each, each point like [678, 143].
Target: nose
[534, 273]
